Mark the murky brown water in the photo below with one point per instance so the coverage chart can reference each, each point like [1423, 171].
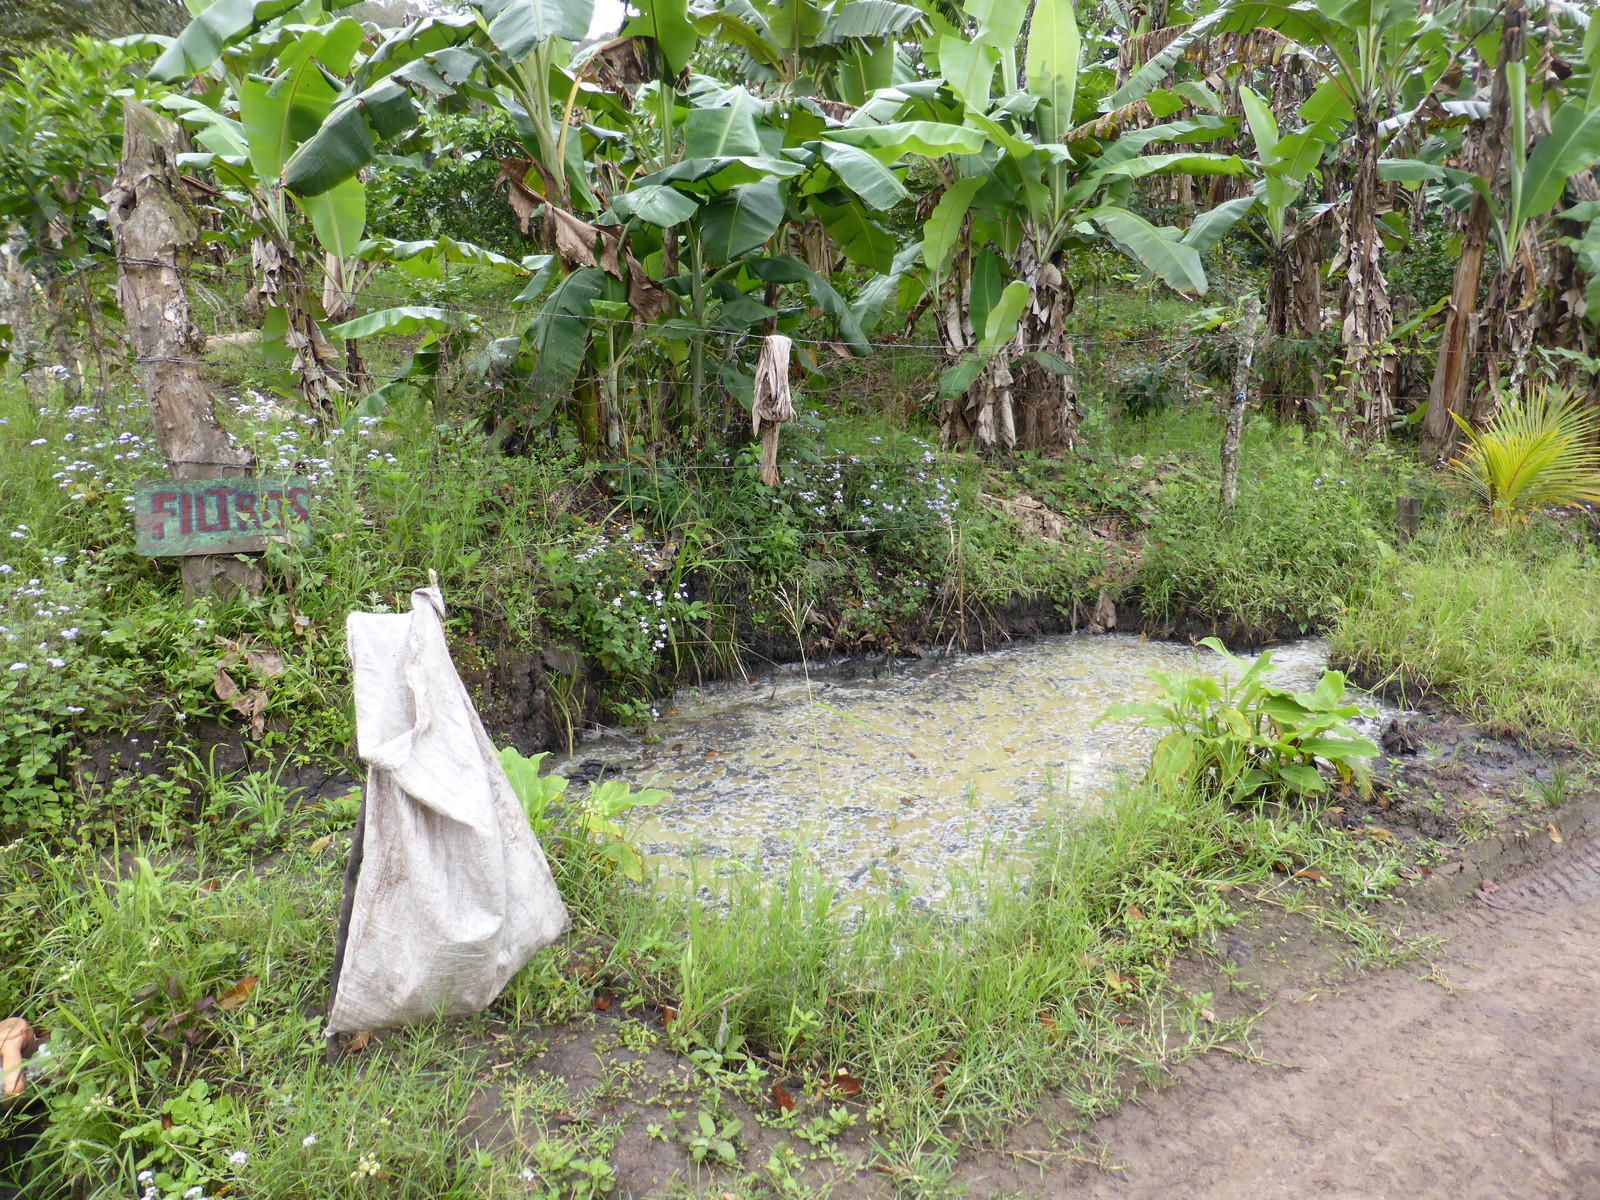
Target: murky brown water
[887, 777]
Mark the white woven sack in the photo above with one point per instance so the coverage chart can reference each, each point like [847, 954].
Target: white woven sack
[453, 895]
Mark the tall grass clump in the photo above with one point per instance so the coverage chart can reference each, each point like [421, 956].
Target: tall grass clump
[1050, 978]
[1309, 532]
[1503, 628]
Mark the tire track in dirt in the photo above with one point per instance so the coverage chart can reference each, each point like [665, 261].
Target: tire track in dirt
[1482, 1087]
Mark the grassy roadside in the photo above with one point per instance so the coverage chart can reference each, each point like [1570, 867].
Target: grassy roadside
[1503, 628]
[184, 1005]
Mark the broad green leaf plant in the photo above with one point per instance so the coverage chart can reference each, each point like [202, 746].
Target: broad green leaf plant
[596, 818]
[1244, 740]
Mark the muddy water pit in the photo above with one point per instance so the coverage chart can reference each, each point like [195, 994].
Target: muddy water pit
[892, 774]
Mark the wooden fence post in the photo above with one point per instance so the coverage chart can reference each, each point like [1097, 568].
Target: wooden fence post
[154, 232]
[1236, 407]
[1408, 518]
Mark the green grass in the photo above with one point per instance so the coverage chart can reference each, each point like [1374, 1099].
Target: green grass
[1503, 628]
[1312, 529]
[1050, 976]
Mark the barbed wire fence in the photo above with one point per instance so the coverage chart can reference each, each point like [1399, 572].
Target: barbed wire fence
[1131, 367]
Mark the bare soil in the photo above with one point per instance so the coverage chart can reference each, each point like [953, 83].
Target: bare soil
[1472, 1073]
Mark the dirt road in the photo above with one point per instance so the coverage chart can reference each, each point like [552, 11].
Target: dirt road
[1482, 1082]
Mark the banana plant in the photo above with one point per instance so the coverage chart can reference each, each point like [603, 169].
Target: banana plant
[1285, 231]
[842, 51]
[993, 245]
[1541, 134]
[1378, 60]
[263, 84]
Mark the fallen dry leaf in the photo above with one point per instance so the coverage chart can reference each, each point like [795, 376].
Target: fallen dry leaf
[1379, 832]
[1308, 873]
[1135, 915]
[1555, 834]
[358, 1042]
[1488, 885]
[782, 1098]
[264, 662]
[847, 1083]
[222, 683]
[602, 1002]
[237, 994]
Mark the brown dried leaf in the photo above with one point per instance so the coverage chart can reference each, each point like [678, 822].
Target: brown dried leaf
[619, 66]
[1135, 915]
[524, 197]
[1555, 834]
[847, 1083]
[222, 683]
[237, 994]
[601, 1002]
[264, 662]
[358, 1042]
[646, 297]
[610, 246]
[574, 239]
[1308, 873]
[782, 1098]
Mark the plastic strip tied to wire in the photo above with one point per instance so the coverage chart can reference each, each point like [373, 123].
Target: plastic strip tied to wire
[448, 893]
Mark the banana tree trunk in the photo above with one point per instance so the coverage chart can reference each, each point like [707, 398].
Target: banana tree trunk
[1027, 395]
[1458, 344]
[155, 234]
[1293, 317]
[1365, 316]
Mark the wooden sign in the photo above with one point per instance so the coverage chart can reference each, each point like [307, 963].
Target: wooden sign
[176, 517]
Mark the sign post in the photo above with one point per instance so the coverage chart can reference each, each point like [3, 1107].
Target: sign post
[181, 517]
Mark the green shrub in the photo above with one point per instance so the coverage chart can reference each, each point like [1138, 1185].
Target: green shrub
[1242, 739]
[446, 187]
[1310, 531]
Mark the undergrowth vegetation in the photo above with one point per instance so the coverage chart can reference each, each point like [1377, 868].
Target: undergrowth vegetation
[184, 1005]
[1501, 626]
[1311, 531]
